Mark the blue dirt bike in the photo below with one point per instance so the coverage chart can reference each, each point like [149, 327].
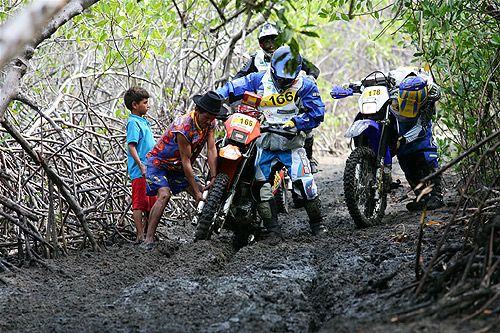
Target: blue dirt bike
[367, 178]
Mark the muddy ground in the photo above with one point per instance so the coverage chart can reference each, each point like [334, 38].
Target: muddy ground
[349, 281]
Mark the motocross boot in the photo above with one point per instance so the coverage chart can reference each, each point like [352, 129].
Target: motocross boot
[298, 202]
[314, 165]
[313, 209]
[433, 200]
[268, 212]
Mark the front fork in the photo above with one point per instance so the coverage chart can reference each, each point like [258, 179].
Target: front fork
[221, 215]
[381, 154]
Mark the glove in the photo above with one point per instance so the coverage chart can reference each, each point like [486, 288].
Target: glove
[340, 92]
[289, 124]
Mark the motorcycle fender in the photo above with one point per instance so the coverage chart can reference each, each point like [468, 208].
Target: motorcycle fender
[359, 126]
[230, 152]
[229, 167]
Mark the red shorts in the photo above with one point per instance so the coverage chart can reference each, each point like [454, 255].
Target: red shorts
[139, 198]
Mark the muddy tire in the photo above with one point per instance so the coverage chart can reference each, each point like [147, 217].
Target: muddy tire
[206, 221]
[360, 186]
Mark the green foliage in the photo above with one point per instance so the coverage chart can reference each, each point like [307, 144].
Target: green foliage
[8, 8]
[459, 39]
[122, 113]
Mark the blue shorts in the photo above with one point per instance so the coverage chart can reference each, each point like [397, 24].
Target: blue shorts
[157, 178]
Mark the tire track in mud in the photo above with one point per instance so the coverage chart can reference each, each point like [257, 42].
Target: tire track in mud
[253, 291]
[209, 287]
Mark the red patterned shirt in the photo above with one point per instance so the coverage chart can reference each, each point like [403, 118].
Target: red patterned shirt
[165, 153]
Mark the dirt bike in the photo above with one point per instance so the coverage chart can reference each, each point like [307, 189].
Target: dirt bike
[230, 203]
[367, 177]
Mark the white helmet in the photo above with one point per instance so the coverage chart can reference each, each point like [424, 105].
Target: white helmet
[268, 30]
[267, 39]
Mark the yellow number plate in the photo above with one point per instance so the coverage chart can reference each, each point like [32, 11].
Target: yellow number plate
[279, 99]
[243, 122]
[371, 91]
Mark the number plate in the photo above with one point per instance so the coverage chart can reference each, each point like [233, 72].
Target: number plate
[244, 123]
[279, 99]
[371, 91]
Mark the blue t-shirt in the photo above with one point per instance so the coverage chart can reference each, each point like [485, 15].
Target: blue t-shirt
[139, 132]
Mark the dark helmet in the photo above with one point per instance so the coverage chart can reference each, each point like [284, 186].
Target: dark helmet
[267, 38]
[285, 67]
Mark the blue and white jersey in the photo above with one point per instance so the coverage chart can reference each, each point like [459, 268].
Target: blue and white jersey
[302, 96]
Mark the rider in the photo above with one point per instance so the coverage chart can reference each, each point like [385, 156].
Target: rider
[285, 94]
[417, 151]
[260, 61]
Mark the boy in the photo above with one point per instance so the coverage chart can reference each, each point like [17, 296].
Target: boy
[140, 141]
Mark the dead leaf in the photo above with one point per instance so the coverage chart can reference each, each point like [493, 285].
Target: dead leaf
[431, 223]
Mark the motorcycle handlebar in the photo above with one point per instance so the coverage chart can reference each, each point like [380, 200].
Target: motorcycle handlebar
[288, 132]
[372, 80]
[356, 87]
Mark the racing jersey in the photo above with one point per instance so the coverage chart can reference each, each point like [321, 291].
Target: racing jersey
[278, 108]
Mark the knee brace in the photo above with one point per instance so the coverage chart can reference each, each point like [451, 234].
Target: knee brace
[305, 188]
[308, 145]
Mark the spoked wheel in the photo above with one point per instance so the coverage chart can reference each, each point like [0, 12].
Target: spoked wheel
[206, 222]
[365, 200]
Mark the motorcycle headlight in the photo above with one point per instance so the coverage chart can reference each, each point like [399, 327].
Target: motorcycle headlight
[369, 108]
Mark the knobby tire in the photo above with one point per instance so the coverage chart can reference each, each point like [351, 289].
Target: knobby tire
[366, 158]
[206, 221]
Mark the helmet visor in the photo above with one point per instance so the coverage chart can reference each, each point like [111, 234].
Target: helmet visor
[281, 82]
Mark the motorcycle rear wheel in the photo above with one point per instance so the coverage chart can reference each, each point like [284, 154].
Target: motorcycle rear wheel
[206, 221]
[360, 185]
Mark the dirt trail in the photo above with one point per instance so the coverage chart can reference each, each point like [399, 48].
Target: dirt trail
[344, 282]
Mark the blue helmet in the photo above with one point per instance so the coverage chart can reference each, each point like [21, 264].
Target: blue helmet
[285, 67]
[412, 94]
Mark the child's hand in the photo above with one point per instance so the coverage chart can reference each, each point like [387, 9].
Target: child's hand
[142, 167]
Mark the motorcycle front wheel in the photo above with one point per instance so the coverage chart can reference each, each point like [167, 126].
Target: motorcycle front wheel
[207, 219]
[360, 188]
